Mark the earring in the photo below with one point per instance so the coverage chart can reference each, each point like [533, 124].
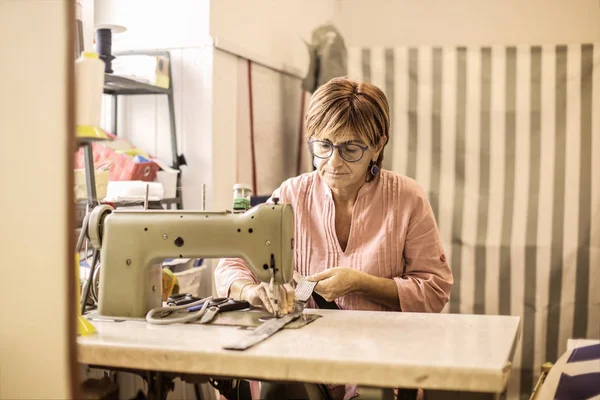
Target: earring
[374, 169]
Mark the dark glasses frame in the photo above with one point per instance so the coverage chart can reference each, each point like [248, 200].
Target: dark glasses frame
[339, 148]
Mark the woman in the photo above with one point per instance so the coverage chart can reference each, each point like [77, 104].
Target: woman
[367, 236]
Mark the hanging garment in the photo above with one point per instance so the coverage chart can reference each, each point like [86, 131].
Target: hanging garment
[328, 57]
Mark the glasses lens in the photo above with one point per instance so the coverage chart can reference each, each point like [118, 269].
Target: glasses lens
[320, 149]
[351, 152]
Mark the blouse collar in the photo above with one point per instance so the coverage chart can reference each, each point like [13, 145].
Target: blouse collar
[366, 188]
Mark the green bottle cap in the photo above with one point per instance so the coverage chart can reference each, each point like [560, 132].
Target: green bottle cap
[241, 204]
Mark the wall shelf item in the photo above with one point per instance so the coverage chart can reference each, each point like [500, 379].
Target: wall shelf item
[120, 85]
[115, 86]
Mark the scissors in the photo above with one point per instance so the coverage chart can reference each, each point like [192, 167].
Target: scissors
[221, 305]
[181, 299]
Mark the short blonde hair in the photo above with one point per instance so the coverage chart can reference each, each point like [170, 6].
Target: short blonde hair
[343, 106]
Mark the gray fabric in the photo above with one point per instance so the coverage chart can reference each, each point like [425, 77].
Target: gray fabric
[413, 104]
[580, 322]
[528, 354]
[389, 90]
[510, 123]
[366, 64]
[459, 189]
[556, 262]
[328, 57]
[436, 129]
[484, 179]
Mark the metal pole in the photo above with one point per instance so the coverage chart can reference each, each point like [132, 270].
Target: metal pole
[146, 198]
[174, 150]
[90, 176]
[115, 104]
[90, 280]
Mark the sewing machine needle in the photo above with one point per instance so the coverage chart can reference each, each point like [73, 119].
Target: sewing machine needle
[274, 289]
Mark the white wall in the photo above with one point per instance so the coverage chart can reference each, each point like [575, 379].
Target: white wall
[276, 109]
[155, 24]
[35, 262]
[272, 31]
[468, 22]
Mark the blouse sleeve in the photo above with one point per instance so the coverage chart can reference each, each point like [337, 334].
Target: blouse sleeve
[229, 270]
[427, 279]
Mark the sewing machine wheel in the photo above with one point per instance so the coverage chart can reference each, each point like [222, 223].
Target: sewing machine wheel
[95, 288]
[95, 224]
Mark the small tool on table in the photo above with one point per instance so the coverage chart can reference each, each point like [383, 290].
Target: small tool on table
[222, 305]
[181, 299]
[158, 316]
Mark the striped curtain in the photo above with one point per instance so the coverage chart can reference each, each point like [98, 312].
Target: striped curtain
[506, 141]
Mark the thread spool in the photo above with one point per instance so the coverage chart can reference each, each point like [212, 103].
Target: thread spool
[104, 48]
[89, 84]
[242, 194]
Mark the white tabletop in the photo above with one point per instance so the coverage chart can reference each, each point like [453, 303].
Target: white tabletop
[382, 349]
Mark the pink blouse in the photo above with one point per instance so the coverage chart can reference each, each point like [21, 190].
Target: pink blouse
[393, 235]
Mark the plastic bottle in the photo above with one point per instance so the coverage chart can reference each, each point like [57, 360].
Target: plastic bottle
[89, 87]
[241, 197]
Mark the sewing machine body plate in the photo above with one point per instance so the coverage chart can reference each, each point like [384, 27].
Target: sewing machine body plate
[134, 244]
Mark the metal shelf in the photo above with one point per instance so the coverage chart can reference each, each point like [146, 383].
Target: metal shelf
[81, 141]
[116, 86]
[119, 85]
[152, 204]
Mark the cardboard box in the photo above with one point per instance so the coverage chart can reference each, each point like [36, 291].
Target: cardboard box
[124, 167]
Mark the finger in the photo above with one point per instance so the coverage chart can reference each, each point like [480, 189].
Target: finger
[320, 276]
[247, 292]
[267, 287]
[291, 297]
[264, 298]
[283, 304]
[318, 287]
[297, 276]
[251, 296]
[322, 290]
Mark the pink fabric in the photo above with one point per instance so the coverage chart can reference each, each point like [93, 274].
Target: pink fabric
[393, 235]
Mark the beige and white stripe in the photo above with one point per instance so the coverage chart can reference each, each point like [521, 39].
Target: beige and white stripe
[506, 140]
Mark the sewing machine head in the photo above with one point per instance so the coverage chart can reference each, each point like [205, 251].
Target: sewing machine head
[134, 243]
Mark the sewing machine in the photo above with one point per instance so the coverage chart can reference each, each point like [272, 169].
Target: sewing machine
[134, 243]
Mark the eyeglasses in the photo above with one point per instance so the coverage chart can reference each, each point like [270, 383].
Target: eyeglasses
[348, 151]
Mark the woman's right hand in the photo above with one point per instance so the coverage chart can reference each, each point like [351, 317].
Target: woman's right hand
[258, 295]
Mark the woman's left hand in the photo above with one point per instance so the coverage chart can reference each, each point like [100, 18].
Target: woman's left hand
[335, 282]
